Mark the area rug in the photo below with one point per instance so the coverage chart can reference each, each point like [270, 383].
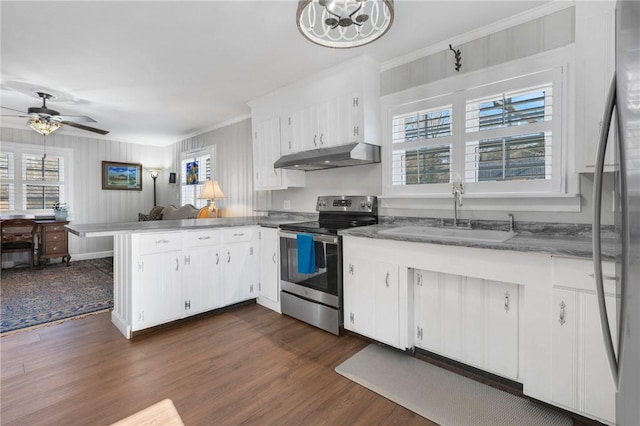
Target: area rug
[32, 297]
[439, 395]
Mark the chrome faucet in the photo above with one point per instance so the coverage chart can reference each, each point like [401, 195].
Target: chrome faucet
[457, 191]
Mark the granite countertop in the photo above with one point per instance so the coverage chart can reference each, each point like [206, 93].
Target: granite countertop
[111, 229]
[564, 244]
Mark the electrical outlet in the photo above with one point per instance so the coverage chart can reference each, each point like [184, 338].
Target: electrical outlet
[287, 205]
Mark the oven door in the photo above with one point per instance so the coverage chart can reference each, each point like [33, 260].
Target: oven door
[323, 286]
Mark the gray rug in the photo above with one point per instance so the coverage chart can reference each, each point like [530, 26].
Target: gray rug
[439, 395]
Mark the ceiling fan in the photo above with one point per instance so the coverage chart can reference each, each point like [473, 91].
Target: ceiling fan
[45, 121]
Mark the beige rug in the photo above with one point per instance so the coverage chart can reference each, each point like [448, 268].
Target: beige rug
[442, 396]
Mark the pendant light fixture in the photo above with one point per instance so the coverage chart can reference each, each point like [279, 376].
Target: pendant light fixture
[43, 126]
[344, 23]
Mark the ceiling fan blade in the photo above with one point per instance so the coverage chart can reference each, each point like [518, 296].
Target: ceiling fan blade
[83, 127]
[16, 116]
[76, 118]
[13, 109]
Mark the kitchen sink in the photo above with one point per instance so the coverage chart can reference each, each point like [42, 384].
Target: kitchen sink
[456, 234]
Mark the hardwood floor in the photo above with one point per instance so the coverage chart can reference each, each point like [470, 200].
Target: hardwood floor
[248, 365]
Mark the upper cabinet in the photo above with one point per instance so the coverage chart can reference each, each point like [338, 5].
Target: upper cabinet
[334, 107]
[595, 64]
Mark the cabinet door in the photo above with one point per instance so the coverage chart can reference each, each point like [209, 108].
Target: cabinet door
[502, 328]
[595, 53]
[266, 150]
[157, 289]
[385, 312]
[240, 272]
[427, 310]
[564, 335]
[359, 297]
[269, 279]
[202, 284]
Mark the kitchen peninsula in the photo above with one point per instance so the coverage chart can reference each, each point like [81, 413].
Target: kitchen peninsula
[172, 269]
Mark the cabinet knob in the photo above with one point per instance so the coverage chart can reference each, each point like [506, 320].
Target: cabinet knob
[315, 140]
[386, 280]
[351, 268]
[507, 298]
[217, 258]
[228, 257]
[273, 258]
[321, 141]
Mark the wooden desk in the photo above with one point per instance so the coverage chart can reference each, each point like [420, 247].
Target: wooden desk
[53, 241]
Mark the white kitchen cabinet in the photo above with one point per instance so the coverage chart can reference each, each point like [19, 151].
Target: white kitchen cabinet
[241, 269]
[581, 380]
[595, 64]
[471, 320]
[266, 149]
[371, 299]
[202, 288]
[291, 132]
[156, 292]
[269, 285]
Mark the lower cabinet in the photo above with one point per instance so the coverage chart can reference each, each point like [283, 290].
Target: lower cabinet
[161, 277]
[269, 283]
[471, 320]
[581, 380]
[371, 299]
[202, 284]
[240, 258]
[156, 293]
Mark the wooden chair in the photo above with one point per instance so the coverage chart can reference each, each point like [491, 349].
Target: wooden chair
[19, 235]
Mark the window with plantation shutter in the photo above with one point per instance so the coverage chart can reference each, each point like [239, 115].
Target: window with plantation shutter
[31, 181]
[421, 147]
[509, 136]
[189, 191]
[500, 136]
[7, 193]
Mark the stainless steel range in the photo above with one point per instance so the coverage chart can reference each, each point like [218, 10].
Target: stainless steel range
[311, 260]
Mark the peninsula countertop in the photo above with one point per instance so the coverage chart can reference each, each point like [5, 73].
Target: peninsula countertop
[574, 245]
[111, 229]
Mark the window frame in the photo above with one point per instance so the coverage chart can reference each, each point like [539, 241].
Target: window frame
[19, 151]
[529, 72]
[193, 155]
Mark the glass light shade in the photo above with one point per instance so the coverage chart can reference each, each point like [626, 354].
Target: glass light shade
[344, 23]
[211, 191]
[44, 127]
[154, 173]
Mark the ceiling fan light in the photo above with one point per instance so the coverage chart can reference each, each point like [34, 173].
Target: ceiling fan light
[360, 21]
[44, 127]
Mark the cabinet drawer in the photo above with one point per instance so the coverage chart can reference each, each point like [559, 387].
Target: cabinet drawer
[236, 235]
[159, 243]
[55, 247]
[55, 236]
[578, 274]
[55, 227]
[201, 238]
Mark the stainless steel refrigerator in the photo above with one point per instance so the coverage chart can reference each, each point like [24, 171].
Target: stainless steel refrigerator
[623, 103]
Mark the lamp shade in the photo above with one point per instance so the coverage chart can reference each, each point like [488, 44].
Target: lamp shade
[211, 191]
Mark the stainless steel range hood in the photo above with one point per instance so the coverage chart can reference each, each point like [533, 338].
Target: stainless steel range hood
[351, 154]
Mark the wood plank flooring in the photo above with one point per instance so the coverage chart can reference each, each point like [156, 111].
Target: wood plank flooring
[248, 365]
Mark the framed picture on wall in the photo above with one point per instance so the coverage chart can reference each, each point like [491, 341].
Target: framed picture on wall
[117, 175]
[172, 177]
[192, 173]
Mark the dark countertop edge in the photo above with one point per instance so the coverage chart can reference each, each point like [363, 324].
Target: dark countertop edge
[543, 244]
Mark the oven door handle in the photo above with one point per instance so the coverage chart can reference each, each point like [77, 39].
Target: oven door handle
[331, 239]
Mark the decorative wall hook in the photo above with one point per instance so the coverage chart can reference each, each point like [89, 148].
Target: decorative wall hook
[458, 56]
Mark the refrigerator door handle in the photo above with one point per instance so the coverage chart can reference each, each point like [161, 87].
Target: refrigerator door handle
[595, 232]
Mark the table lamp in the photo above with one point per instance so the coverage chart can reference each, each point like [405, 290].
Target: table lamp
[211, 191]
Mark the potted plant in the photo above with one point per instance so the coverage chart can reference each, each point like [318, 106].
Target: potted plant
[60, 210]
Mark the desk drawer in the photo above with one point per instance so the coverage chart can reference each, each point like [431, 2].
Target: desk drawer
[55, 227]
[55, 247]
[51, 237]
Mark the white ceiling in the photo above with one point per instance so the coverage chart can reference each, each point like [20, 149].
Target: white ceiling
[156, 72]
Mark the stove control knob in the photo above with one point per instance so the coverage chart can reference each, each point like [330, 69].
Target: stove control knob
[369, 204]
[362, 204]
[324, 204]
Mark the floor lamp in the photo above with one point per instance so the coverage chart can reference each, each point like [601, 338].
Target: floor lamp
[154, 176]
